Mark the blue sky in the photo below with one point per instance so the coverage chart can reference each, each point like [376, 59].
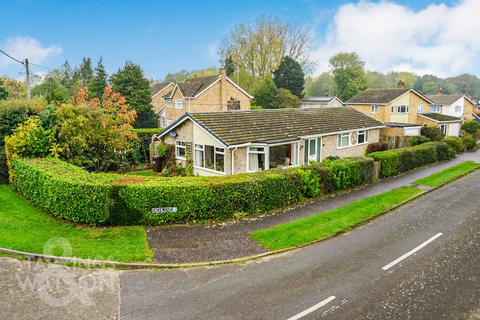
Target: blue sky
[170, 36]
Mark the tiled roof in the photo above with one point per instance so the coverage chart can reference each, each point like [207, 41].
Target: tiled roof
[156, 87]
[444, 99]
[380, 96]
[439, 117]
[191, 87]
[276, 125]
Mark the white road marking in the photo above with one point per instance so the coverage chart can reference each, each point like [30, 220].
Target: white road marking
[409, 253]
[311, 309]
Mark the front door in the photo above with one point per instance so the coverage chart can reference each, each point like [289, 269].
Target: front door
[313, 149]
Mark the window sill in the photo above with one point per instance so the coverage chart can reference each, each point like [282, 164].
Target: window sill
[209, 170]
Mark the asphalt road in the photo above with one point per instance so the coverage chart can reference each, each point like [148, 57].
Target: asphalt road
[341, 278]
[440, 281]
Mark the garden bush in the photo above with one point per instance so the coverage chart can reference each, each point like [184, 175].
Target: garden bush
[432, 133]
[69, 192]
[348, 173]
[455, 143]
[469, 142]
[377, 146]
[205, 198]
[415, 141]
[397, 161]
[142, 149]
[471, 127]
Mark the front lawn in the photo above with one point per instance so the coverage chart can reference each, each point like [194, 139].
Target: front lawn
[25, 228]
[329, 223]
[447, 175]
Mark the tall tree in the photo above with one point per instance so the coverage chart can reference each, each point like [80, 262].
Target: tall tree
[3, 91]
[85, 71]
[290, 76]
[349, 74]
[99, 82]
[266, 94]
[229, 66]
[131, 83]
[323, 85]
[259, 48]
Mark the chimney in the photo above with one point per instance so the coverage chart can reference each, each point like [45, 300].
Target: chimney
[223, 89]
[401, 84]
[440, 90]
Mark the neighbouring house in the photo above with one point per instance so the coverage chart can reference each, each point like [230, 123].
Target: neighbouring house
[318, 102]
[455, 105]
[231, 142]
[202, 94]
[404, 111]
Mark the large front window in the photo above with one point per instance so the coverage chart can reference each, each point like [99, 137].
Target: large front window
[283, 155]
[210, 157]
[256, 158]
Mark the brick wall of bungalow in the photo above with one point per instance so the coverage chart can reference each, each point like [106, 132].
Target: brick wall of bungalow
[192, 134]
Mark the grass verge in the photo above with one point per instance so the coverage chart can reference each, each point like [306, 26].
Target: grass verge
[26, 228]
[439, 178]
[331, 222]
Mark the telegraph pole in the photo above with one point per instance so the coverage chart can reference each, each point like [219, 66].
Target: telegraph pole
[27, 78]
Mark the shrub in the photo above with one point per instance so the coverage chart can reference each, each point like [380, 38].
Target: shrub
[69, 192]
[469, 142]
[415, 141]
[377, 146]
[432, 133]
[471, 127]
[162, 149]
[351, 172]
[142, 148]
[12, 113]
[203, 198]
[310, 182]
[455, 143]
[395, 162]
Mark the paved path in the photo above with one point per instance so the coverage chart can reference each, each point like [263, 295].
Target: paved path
[440, 281]
[177, 244]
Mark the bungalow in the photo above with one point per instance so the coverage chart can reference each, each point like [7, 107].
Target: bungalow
[202, 94]
[403, 111]
[233, 142]
[319, 102]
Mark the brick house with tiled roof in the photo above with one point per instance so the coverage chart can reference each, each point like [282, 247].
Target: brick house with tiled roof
[404, 111]
[233, 142]
[202, 94]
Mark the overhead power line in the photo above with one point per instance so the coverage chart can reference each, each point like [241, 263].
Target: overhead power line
[14, 59]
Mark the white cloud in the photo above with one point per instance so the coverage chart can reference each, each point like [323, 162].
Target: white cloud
[439, 39]
[26, 47]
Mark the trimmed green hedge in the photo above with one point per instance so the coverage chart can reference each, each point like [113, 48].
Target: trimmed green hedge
[204, 198]
[69, 192]
[397, 161]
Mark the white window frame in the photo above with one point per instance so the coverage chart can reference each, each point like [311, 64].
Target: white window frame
[364, 132]
[179, 146]
[438, 109]
[216, 150]
[420, 108]
[179, 104]
[399, 109]
[168, 102]
[339, 139]
[265, 152]
[374, 108]
[459, 109]
[168, 122]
